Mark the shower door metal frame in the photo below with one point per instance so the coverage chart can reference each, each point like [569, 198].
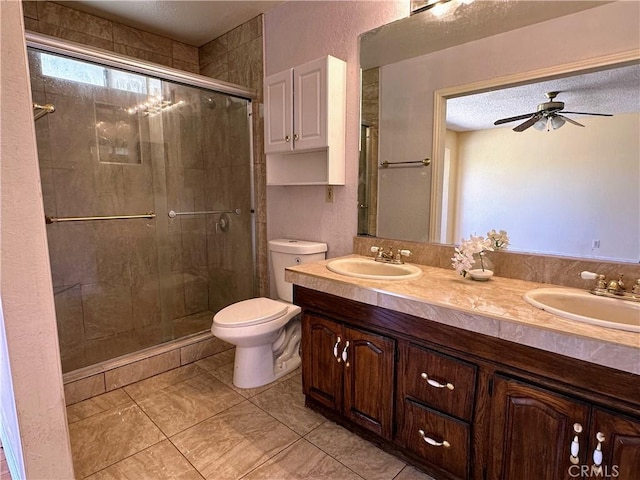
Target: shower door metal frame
[112, 59]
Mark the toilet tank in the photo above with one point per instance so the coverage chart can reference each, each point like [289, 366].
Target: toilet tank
[286, 252]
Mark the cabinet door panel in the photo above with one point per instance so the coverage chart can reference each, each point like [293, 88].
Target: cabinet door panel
[621, 447]
[310, 110]
[279, 110]
[532, 431]
[369, 380]
[322, 373]
[422, 427]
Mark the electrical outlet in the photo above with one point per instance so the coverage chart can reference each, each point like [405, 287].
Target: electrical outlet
[329, 195]
[595, 244]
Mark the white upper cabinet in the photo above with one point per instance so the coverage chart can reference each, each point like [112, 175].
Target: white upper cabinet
[305, 115]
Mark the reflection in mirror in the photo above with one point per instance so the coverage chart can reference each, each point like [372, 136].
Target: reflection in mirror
[567, 185]
[573, 191]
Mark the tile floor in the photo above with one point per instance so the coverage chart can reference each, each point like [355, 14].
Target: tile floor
[191, 423]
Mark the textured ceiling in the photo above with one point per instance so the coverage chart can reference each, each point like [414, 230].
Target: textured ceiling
[609, 91]
[191, 22]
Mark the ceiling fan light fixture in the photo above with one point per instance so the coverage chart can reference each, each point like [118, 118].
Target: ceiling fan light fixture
[540, 124]
[556, 122]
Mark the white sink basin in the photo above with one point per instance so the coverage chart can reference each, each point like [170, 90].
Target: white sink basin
[372, 270]
[586, 307]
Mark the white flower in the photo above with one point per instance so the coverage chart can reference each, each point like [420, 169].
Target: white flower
[463, 260]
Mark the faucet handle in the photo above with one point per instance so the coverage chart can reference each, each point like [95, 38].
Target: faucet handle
[375, 249]
[636, 288]
[588, 275]
[405, 253]
[601, 283]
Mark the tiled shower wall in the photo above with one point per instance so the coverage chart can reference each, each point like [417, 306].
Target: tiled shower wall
[235, 57]
[188, 249]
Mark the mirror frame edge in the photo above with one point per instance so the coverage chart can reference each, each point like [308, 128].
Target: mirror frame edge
[440, 97]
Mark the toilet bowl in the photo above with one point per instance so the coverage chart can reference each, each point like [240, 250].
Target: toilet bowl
[267, 332]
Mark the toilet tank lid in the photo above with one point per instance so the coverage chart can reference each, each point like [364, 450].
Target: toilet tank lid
[300, 247]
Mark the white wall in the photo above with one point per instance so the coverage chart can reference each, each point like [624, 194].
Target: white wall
[298, 32]
[409, 99]
[575, 184]
[35, 435]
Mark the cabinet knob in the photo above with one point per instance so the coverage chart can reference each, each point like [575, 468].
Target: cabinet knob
[335, 350]
[597, 453]
[575, 444]
[435, 384]
[296, 137]
[287, 138]
[432, 442]
[345, 354]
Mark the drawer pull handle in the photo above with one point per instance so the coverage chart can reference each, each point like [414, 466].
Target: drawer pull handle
[575, 444]
[597, 453]
[335, 350]
[432, 442]
[435, 383]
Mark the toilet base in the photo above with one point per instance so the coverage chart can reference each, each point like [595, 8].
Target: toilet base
[253, 366]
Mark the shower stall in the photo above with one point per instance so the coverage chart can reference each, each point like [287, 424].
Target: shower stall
[147, 184]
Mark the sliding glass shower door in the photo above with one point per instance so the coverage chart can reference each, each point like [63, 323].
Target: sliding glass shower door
[147, 191]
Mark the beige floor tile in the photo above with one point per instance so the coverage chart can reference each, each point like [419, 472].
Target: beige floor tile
[361, 456]
[411, 473]
[285, 402]
[225, 375]
[184, 404]
[149, 386]
[162, 461]
[108, 437]
[234, 442]
[302, 461]
[95, 405]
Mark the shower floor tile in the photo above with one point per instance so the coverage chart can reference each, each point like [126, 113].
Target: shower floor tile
[190, 424]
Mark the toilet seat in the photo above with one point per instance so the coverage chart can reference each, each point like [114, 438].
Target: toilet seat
[250, 312]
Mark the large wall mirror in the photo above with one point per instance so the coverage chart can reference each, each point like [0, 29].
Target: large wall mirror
[558, 188]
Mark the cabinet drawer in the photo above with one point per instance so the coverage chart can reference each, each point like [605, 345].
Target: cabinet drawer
[440, 381]
[441, 440]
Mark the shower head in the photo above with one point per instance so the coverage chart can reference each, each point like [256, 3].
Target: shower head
[40, 111]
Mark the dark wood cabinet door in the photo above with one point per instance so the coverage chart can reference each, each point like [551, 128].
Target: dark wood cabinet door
[532, 430]
[620, 446]
[322, 370]
[369, 381]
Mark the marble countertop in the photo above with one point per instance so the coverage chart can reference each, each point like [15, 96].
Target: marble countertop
[495, 308]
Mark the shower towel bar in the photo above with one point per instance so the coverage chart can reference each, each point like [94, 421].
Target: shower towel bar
[425, 163]
[101, 217]
[174, 214]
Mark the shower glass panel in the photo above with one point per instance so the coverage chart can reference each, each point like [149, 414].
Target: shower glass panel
[121, 143]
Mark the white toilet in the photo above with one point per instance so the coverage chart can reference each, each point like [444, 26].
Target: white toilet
[267, 332]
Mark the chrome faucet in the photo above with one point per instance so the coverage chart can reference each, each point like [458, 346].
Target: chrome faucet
[612, 288]
[388, 256]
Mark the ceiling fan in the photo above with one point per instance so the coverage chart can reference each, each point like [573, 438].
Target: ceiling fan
[548, 115]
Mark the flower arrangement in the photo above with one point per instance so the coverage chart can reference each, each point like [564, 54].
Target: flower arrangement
[463, 258]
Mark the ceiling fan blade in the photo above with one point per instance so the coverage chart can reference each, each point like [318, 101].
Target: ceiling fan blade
[513, 119]
[585, 113]
[523, 126]
[569, 120]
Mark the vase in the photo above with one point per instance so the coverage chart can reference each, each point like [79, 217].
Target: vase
[482, 268]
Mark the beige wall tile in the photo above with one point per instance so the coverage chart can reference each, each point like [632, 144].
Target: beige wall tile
[71, 19]
[184, 52]
[186, 66]
[197, 351]
[217, 68]
[212, 49]
[245, 33]
[141, 40]
[74, 35]
[30, 9]
[150, 56]
[80, 390]
[142, 369]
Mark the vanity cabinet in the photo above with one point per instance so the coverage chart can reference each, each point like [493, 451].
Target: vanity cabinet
[540, 434]
[349, 371]
[461, 405]
[435, 407]
[305, 115]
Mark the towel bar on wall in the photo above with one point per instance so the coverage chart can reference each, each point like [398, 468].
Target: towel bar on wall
[425, 163]
[48, 219]
[174, 214]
